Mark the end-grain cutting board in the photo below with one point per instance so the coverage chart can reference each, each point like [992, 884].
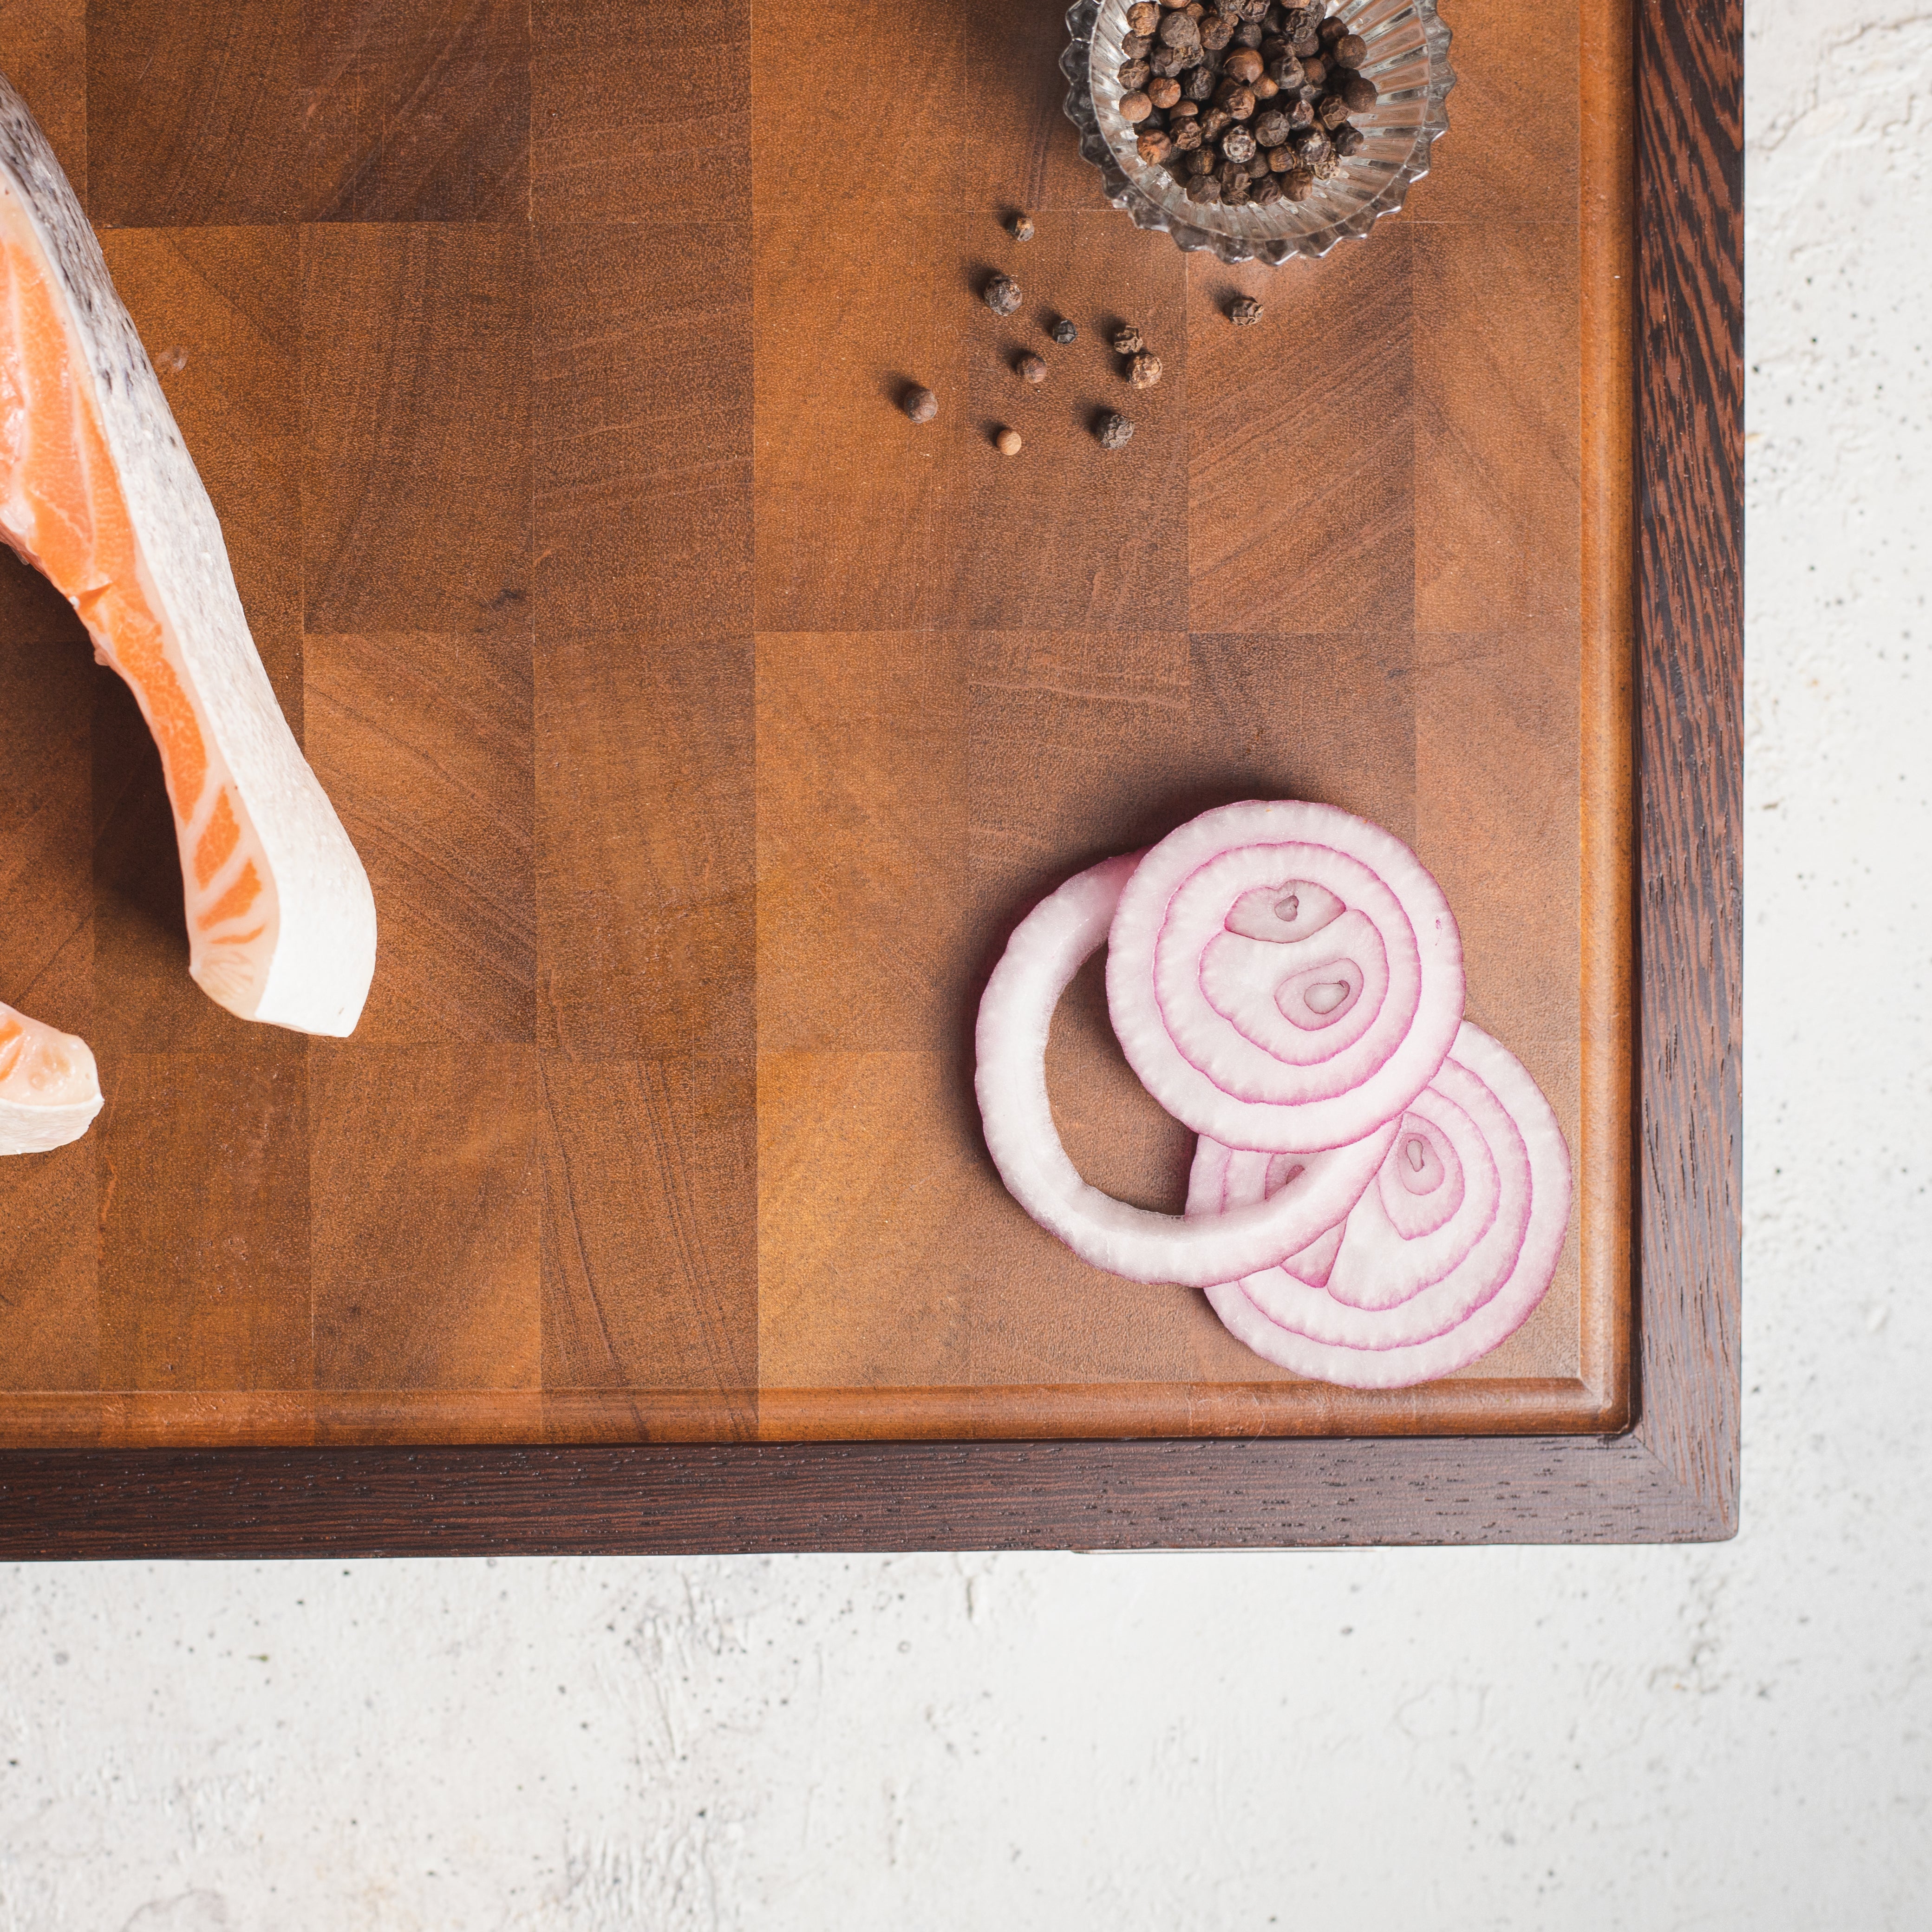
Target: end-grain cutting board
[705, 727]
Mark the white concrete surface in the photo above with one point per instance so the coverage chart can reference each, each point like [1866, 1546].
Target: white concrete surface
[1729, 1737]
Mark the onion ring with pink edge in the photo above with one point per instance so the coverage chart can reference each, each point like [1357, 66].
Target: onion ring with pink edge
[1457, 1317]
[1210, 1021]
[1047, 947]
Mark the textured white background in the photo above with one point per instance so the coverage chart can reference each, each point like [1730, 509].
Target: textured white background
[1720, 1737]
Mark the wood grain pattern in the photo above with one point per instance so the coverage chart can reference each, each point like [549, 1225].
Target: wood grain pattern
[646, 801]
[416, 112]
[415, 359]
[191, 107]
[425, 744]
[568, 1232]
[1337, 551]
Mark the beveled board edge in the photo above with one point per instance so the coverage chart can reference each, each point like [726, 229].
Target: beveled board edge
[1672, 1478]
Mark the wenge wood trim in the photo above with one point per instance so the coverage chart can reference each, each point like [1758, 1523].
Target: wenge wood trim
[896, 1496]
[1690, 734]
[1674, 1477]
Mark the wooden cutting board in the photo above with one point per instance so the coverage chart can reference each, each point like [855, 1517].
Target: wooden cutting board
[705, 726]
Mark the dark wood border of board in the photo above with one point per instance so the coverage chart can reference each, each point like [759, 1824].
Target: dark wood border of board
[1672, 1477]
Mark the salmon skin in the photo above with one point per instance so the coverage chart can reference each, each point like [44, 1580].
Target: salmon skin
[98, 493]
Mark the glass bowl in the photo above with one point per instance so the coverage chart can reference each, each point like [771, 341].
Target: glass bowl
[1408, 61]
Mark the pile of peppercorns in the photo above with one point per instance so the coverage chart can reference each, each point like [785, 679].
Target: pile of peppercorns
[1246, 103]
[1138, 363]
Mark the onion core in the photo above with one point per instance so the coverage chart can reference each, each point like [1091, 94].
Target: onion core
[1284, 975]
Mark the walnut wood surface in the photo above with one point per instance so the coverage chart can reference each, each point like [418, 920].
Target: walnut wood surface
[696, 728]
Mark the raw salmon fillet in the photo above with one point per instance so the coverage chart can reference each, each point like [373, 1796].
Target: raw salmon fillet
[98, 493]
[49, 1089]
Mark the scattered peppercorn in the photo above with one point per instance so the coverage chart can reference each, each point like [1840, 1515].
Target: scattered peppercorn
[1144, 372]
[1243, 101]
[1022, 227]
[1114, 430]
[1030, 369]
[922, 405]
[1003, 295]
[1007, 443]
[1244, 311]
[1127, 340]
[1064, 332]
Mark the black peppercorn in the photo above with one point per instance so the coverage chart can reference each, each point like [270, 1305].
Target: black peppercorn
[1114, 430]
[1314, 71]
[1331, 30]
[1216, 31]
[1238, 144]
[1030, 369]
[1244, 311]
[922, 405]
[1128, 339]
[1199, 84]
[1349, 140]
[1143, 16]
[1235, 193]
[1237, 99]
[1064, 332]
[1164, 93]
[1286, 72]
[1144, 372]
[1154, 147]
[1133, 76]
[1134, 106]
[1135, 47]
[1002, 294]
[1271, 128]
[1332, 111]
[1185, 136]
[1298, 184]
[1359, 92]
[1244, 65]
[1266, 192]
[1022, 227]
[1351, 50]
[1214, 122]
[1177, 30]
[1204, 187]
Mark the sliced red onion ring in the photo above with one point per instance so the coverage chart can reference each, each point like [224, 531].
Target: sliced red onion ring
[1397, 1309]
[1047, 947]
[1284, 975]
